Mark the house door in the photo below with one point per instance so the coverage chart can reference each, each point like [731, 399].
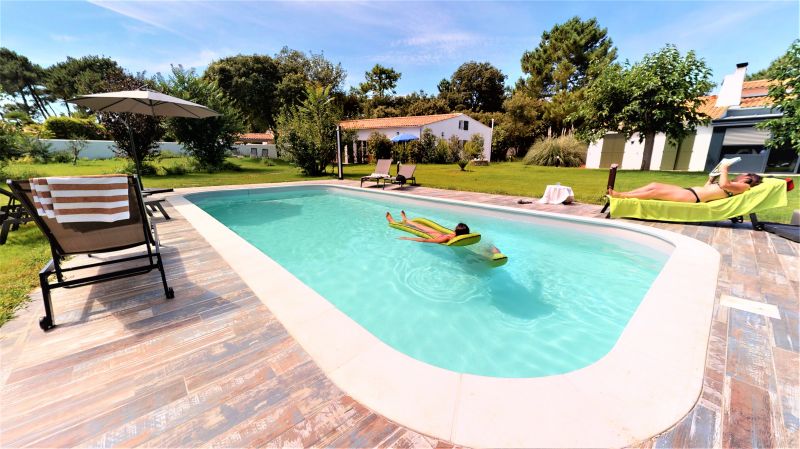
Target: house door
[613, 150]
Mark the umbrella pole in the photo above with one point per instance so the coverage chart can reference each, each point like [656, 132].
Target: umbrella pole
[136, 161]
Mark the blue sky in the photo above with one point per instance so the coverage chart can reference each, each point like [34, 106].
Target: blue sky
[425, 41]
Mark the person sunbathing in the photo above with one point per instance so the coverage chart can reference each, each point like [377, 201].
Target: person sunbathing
[437, 237]
[714, 189]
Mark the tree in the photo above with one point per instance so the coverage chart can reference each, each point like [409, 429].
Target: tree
[251, 82]
[297, 70]
[380, 80]
[659, 94]
[20, 77]
[477, 86]
[765, 73]
[523, 121]
[146, 129]
[568, 59]
[308, 132]
[208, 140]
[81, 76]
[785, 74]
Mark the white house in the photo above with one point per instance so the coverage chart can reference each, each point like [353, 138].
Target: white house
[442, 125]
[734, 112]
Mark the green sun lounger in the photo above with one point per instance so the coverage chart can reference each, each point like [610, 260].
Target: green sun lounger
[769, 194]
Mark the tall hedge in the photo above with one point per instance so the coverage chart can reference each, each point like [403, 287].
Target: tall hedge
[75, 128]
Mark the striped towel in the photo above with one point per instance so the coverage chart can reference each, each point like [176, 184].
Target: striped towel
[82, 199]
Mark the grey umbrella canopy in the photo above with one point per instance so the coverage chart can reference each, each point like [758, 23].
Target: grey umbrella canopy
[145, 102]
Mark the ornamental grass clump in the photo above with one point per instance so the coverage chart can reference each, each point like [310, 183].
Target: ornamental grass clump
[564, 151]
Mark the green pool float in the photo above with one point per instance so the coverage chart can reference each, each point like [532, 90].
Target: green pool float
[494, 259]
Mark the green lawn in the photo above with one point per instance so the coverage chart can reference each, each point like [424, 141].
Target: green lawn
[26, 250]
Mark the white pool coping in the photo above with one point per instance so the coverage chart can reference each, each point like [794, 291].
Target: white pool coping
[650, 379]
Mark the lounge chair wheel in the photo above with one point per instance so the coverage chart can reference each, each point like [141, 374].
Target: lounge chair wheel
[170, 293]
[45, 323]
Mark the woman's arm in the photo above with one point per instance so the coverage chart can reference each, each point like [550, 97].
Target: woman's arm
[731, 186]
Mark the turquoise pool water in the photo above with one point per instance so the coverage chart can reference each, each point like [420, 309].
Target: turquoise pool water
[559, 304]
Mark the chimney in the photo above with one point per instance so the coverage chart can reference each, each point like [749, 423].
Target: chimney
[730, 94]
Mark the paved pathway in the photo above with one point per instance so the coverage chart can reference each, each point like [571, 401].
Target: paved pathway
[213, 367]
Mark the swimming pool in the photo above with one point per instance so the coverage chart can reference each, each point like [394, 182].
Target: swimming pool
[651, 377]
[560, 304]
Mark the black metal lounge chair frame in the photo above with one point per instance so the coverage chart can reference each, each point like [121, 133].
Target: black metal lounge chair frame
[12, 215]
[153, 258]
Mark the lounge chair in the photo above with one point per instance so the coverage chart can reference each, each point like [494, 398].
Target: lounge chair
[68, 239]
[12, 215]
[381, 173]
[769, 194]
[405, 174]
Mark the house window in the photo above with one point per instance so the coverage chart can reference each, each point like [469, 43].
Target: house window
[463, 124]
[466, 125]
[442, 133]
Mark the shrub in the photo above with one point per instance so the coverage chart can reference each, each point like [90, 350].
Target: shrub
[75, 147]
[379, 146]
[62, 157]
[564, 151]
[74, 128]
[176, 169]
[148, 169]
[427, 146]
[36, 149]
[268, 162]
[442, 152]
[168, 154]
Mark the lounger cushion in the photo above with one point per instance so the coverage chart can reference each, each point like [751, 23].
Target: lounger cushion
[769, 194]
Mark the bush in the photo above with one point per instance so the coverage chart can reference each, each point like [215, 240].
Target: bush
[176, 169]
[442, 152]
[379, 146]
[268, 162]
[148, 169]
[62, 157]
[36, 149]
[427, 146]
[167, 154]
[564, 151]
[74, 128]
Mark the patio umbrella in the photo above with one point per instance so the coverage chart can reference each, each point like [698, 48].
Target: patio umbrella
[146, 102]
[404, 138]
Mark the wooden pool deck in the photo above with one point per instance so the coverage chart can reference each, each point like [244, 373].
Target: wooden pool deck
[213, 367]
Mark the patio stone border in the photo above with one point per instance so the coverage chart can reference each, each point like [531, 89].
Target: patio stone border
[650, 379]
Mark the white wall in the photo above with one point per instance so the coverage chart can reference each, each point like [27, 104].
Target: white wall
[593, 154]
[702, 143]
[245, 149]
[103, 149]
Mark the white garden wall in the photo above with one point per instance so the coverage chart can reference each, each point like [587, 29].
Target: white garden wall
[103, 149]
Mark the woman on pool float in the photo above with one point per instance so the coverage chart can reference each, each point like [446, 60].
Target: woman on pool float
[438, 237]
[713, 189]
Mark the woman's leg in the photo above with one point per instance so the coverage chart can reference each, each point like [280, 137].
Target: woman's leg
[666, 192]
[432, 232]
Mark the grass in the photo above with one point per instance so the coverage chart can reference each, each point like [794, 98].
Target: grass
[27, 250]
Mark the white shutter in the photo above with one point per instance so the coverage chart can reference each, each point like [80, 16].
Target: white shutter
[745, 136]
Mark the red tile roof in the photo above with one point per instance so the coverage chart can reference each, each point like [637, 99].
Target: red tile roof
[396, 122]
[754, 95]
[708, 107]
[257, 137]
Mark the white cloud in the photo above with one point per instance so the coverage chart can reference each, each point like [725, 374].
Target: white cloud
[63, 38]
